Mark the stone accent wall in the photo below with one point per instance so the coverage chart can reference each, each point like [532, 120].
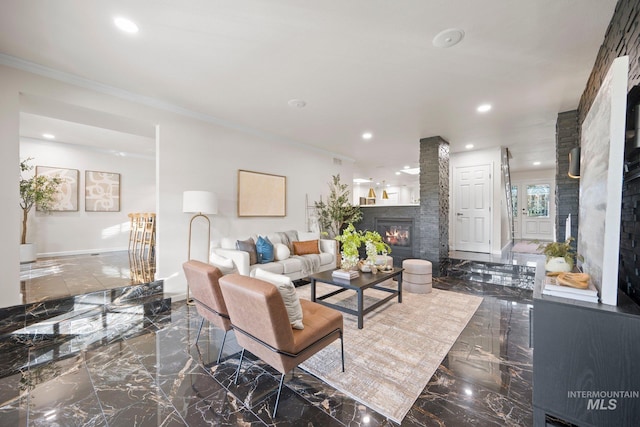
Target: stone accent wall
[622, 38]
[567, 189]
[434, 203]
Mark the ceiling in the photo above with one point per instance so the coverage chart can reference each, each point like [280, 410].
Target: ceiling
[359, 65]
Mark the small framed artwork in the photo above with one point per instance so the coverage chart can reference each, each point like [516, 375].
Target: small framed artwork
[261, 194]
[101, 191]
[67, 196]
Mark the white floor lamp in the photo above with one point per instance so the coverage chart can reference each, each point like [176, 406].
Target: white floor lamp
[202, 203]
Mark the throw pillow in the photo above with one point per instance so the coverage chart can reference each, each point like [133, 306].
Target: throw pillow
[281, 251]
[292, 235]
[264, 248]
[248, 246]
[225, 265]
[288, 293]
[306, 247]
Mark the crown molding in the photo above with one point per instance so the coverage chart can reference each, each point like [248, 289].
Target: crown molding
[31, 67]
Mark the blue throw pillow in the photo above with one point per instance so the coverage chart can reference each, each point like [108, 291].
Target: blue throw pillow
[265, 250]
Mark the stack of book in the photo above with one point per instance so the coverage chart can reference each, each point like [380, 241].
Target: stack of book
[345, 275]
[552, 288]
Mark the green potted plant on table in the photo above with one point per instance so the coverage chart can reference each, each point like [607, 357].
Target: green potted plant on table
[351, 240]
[561, 256]
[374, 245]
[35, 190]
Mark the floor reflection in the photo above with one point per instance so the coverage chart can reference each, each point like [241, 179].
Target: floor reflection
[60, 277]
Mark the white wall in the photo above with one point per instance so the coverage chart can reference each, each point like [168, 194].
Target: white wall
[9, 194]
[398, 195]
[65, 233]
[472, 158]
[192, 154]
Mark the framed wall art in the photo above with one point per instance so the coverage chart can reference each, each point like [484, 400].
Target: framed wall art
[101, 191]
[67, 197]
[261, 194]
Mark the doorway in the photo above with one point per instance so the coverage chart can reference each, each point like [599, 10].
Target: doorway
[533, 209]
[472, 208]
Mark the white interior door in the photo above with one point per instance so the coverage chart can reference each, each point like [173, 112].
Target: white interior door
[534, 210]
[472, 211]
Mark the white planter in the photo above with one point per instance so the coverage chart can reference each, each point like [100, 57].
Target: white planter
[28, 253]
[558, 265]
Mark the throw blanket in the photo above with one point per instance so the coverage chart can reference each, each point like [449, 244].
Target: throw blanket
[310, 263]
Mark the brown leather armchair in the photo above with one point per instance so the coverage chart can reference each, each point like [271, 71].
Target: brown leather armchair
[203, 280]
[259, 319]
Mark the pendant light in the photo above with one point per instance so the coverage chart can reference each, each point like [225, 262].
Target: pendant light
[384, 191]
[372, 193]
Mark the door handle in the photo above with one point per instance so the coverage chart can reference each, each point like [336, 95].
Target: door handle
[459, 214]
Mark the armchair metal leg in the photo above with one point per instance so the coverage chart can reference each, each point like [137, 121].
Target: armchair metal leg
[235, 380]
[224, 337]
[199, 330]
[342, 350]
[275, 408]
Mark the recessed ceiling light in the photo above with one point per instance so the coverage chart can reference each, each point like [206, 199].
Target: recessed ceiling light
[398, 173]
[367, 135]
[483, 108]
[360, 180]
[296, 103]
[468, 146]
[411, 171]
[536, 163]
[48, 136]
[448, 38]
[126, 25]
[406, 167]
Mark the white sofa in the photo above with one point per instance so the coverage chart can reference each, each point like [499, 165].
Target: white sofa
[294, 266]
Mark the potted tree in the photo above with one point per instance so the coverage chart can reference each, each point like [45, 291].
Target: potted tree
[337, 210]
[35, 190]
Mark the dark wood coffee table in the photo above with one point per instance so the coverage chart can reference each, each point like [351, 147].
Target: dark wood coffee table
[359, 284]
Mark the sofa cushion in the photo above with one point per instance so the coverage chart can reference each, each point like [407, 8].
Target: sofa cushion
[225, 265]
[306, 247]
[326, 258]
[288, 293]
[291, 265]
[272, 267]
[250, 247]
[292, 235]
[281, 252]
[264, 249]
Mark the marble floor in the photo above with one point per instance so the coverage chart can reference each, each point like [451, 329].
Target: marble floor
[59, 277]
[125, 357]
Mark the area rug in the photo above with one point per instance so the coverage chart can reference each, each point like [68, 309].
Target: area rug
[390, 361]
[526, 248]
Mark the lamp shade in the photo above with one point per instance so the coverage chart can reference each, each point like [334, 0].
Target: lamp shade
[199, 201]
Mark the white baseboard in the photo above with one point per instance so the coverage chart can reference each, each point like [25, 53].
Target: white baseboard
[80, 252]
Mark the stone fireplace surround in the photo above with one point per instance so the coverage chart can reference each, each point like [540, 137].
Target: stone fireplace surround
[376, 217]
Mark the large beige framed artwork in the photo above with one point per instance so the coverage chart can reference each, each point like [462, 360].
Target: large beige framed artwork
[67, 196]
[261, 194]
[101, 191]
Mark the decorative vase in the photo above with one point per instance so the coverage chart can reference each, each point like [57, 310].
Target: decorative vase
[557, 265]
[348, 262]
